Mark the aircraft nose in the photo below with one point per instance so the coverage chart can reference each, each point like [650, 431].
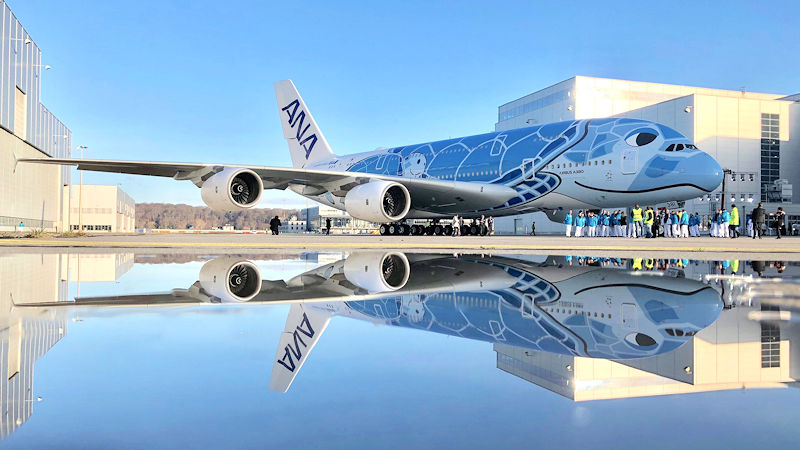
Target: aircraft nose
[706, 170]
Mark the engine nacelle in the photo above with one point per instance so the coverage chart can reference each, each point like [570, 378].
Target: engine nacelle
[377, 272]
[233, 189]
[378, 201]
[231, 280]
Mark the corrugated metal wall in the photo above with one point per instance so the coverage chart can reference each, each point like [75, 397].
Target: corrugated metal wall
[21, 67]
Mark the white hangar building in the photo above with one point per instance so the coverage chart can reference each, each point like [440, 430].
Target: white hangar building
[749, 133]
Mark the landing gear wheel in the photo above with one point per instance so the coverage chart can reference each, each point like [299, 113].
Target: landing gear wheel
[437, 230]
[393, 230]
[384, 230]
[405, 230]
[448, 230]
[473, 230]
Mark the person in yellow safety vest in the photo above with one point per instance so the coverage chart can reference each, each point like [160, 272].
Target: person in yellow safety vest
[636, 212]
[637, 264]
[734, 266]
[648, 263]
[649, 218]
[734, 223]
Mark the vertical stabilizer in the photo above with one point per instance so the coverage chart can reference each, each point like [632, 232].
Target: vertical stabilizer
[303, 328]
[306, 142]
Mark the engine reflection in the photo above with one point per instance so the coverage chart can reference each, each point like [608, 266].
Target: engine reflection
[582, 330]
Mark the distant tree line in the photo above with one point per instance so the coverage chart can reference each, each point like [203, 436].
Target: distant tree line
[181, 217]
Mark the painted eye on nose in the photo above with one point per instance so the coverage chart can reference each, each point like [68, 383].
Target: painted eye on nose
[640, 340]
[640, 138]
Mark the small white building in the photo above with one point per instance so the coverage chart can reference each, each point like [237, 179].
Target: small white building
[341, 222]
[293, 225]
[104, 208]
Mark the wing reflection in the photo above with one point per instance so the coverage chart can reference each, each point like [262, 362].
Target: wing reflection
[551, 307]
[583, 331]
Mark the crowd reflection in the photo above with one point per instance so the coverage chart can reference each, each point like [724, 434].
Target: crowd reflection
[552, 320]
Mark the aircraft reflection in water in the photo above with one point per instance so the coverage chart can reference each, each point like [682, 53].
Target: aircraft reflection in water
[546, 307]
[583, 331]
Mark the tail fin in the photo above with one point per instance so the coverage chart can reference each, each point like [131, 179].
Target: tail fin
[306, 142]
[303, 328]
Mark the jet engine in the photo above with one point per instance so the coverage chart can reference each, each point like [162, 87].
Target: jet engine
[378, 201]
[377, 272]
[231, 280]
[233, 189]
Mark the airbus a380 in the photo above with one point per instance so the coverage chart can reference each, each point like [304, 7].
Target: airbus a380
[575, 164]
[544, 306]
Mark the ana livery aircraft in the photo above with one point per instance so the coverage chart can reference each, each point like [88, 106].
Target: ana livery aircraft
[545, 306]
[575, 164]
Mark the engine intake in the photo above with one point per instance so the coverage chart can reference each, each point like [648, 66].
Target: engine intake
[378, 201]
[232, 190]
[377, 272]
[230, 279]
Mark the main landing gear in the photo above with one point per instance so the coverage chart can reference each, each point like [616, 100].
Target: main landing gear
[435, 229]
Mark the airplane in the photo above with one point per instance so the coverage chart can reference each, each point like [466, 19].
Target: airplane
[547, 306]
[574, 164]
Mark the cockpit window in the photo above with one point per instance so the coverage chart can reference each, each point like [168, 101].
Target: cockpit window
[680, 147]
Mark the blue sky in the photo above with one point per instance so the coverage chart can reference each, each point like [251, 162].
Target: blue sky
[198, 378]
[192, 80]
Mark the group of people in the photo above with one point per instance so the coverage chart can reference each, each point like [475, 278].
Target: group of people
[671, 223]
[724, 224]
[484, 223]
[757, 220]
[617, 223]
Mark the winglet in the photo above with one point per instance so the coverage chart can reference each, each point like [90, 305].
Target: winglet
[306, 142]
[303, 328]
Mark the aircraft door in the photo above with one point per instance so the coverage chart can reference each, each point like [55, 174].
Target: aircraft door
[629, 315]
[629, 161]
[527, 168]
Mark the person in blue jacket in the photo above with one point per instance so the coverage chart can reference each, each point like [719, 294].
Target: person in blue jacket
[580, 222]
[568, 222]
[684, 224]
[726, 220]
[592, 220]
[606, 223]
[676, 223]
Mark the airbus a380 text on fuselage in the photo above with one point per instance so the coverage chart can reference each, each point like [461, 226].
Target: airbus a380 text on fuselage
[575, 164]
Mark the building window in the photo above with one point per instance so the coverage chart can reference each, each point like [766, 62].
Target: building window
[20, 114]
[770, 151]
[770, 342]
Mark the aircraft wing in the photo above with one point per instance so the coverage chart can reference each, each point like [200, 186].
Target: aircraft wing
[426, 194]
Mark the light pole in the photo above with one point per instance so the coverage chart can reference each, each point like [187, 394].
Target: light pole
[725, 173]
[80, 192]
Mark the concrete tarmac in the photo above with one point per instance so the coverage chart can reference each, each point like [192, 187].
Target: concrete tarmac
[768, 248]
